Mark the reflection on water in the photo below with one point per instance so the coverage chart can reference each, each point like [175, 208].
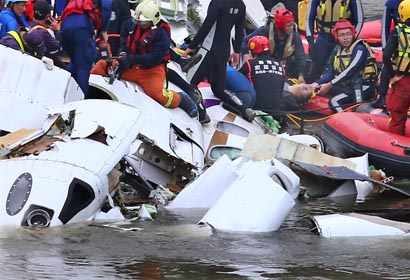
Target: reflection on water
[173, 247]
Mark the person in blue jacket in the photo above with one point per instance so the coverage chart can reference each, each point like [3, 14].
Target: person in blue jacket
[12, 16]
[390, 15]
[80, 20]
[325, 13]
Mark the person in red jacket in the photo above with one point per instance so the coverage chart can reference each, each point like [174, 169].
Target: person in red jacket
[396, 60]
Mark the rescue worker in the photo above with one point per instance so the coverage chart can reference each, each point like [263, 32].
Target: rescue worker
[214, 42]
[46, 27]
[396, 59]
[12, 16]
[266, 74]
[80, 19]
[325, 13]
[390, 15]
[22, 40]
[285, 43]
[351, 72]
[144, 50]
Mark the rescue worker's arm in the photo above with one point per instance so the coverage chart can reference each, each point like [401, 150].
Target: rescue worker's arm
[357, 14]
[356, 65]
[310, 19]
[330, 72]
[386, 22]
[126, 28]
[388, 52]
[246, 72]
[239, 34]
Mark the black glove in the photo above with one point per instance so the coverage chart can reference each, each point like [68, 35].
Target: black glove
[124, 63]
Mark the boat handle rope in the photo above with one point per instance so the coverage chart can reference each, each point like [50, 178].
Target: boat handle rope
[396, 143]
[406, 150]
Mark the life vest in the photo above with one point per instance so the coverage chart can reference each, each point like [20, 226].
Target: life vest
[16, 35]
[290, 47]
[37, 26]
[343, 57]
[90, 7]
[401, 61]
[328, 14]
[140, 41]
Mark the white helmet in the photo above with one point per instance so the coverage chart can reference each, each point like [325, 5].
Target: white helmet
[147, 11]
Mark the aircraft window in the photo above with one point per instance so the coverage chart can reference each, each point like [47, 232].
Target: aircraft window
[19, 193]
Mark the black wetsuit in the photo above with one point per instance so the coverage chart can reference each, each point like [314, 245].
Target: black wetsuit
[214, 39]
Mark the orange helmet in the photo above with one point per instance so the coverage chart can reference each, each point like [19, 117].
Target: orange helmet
[282, 17]
[258, 44]
[343, 24]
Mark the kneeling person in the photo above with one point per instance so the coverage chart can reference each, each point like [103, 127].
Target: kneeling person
[144, 50]
[351, 72]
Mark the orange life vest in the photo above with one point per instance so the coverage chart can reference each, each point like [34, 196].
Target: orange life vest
[140, 41]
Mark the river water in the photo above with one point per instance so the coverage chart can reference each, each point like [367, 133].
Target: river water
[173, 247]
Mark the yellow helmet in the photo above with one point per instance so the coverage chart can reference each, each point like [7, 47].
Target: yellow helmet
[404, 10]
[147, 11]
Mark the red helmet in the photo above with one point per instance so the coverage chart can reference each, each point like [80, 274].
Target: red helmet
[282, 17]
[258, 44]
[343, 24]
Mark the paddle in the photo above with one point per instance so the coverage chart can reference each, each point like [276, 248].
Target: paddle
[342, 173]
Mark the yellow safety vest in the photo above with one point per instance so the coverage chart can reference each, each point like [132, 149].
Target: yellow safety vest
[343, 57]
[18, 39]
[401, 61]
[328, 14]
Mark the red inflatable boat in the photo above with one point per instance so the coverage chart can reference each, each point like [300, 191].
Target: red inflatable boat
[351, 134]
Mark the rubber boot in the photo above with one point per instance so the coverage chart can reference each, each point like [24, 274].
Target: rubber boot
[186, 63]
[245, 113]
[202, 115]
[195, 95]
[188, 105]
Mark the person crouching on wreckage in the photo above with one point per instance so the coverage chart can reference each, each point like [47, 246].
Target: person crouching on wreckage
[274, 94]
[144, 53]
[351, 73]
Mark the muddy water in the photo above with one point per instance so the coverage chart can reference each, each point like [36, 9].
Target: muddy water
[173, 247]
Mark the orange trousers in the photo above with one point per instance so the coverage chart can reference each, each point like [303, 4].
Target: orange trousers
[151, 80]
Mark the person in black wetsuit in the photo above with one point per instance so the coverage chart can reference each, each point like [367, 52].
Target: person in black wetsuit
[214, 41]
